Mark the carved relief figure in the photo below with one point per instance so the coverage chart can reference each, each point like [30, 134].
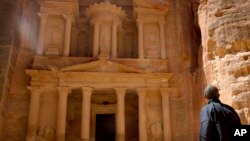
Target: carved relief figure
[105, 36]
[152, 41]
[56, 29]
[105, 40]
[156, 131]
[54, 35]
[40, 133]
[45, 133]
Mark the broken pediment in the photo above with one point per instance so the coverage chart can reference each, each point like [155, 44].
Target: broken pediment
[102, 65]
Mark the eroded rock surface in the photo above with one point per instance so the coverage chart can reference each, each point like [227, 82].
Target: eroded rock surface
[225, 27]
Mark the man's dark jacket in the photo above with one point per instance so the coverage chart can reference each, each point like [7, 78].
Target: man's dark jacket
[217, 120]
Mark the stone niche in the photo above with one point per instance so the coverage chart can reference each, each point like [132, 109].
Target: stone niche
[54, 36]
[55, 27]
[151, 40]
[151, 32]
[107, 20]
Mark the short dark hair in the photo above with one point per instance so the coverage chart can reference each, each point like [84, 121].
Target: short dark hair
[211, 92]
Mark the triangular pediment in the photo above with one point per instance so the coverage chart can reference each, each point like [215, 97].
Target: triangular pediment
[102, 65]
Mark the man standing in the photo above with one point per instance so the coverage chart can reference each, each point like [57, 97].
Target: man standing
[216, 119]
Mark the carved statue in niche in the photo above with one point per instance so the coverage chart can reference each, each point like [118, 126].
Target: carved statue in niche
[151, 41]
[56, 29]
[105, 37]
[40, 133]
[54, 35]
[45, 133]
[156, 131]
[105, 40]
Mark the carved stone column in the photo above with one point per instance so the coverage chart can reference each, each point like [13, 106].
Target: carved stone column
[162, 39]
[42, 29]
[140, 39]
[120, 125]
[86, 105]
[141, 92]
[33, 113]
[96, 39]
[69, 19]
[61, 113]
[165, 92]
[114, 39]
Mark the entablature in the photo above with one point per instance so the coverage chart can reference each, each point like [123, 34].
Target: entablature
[147, 65]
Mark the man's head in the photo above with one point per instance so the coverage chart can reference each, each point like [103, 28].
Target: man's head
[211, 92]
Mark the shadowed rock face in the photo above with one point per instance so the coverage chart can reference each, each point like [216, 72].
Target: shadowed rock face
[225, 28]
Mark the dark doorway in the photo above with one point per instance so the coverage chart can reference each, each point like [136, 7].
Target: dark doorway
[105, 127]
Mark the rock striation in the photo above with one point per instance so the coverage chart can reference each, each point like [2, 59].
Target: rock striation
[225, 28]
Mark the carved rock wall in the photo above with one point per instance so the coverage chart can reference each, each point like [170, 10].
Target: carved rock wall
[183, 44]
[8, 54]
[225, 27]
[18, 34]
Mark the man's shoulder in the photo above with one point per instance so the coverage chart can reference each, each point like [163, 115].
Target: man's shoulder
[210, 105]
[206, 109]
[228, 107]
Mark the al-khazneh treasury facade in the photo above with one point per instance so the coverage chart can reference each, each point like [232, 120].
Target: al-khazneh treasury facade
[99, 74]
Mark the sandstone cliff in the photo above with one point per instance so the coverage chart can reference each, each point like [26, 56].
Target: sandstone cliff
[225, 27]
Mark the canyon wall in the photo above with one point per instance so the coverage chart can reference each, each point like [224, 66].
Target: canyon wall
[225, 28]
[19, 26]
[8, 54]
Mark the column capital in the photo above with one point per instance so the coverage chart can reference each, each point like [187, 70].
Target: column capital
[141, 90]
[167, 91]
[68, 17]
[139, 21]
[162, 22]
[120, 89]
[95, 21]
[65, 90]
[34, 89]
[115, 23]
[87, 90]
[43, 15]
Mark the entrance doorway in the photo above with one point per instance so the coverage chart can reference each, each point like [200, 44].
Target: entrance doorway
[105, 127]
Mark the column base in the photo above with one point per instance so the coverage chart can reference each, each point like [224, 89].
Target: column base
[31, 138]
[60, 137]
[120, 138]
[85, 139]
